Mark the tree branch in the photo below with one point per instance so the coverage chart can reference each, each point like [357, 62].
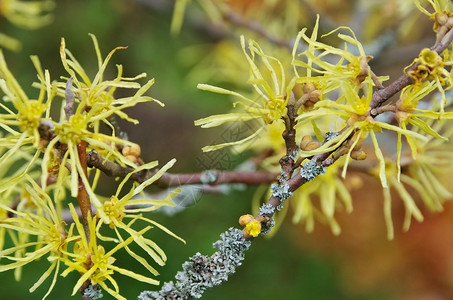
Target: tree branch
[211, 177]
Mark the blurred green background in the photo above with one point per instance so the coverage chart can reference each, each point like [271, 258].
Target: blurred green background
[284, 267]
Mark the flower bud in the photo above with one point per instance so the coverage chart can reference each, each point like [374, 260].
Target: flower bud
[245, 219]
[132, 158]
[358, 155]
[305, 141]
[311, 146]
[441, 18]
[135, 150]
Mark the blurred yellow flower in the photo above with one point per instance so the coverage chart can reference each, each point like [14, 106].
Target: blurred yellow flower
[25, 14]
[116, 210]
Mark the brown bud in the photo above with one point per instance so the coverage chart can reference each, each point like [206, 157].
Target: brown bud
[126, 150]
[135, 150]
[315, 96]
[441, 18]
[308, 88]
[311, 146]
[245, 219]
[246, 233]
[358, 155]
[132, 158]
[305, 141]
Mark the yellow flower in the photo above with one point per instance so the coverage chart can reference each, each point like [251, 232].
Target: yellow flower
[94, 103]
[328, 75]
[22, 120]
[30, 15]
[35, 233]
[28, 113]
[442, 12]
[430, 66]
[252, 225]
[116, 210]
[424, 177]
[267, 76]
[406, 112]
[96, 96]
[94, 263]
[356, 121]
[432, 166]
[253, 228]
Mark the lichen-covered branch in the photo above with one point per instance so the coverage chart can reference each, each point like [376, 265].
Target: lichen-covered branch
[201, 272]
[289, 135]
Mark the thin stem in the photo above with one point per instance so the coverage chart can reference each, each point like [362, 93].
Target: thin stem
[287, 162]
[210, 177]
[82, 196]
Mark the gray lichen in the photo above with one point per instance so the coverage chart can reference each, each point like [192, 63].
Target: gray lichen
[266, 227]
[311, 170]
[294, 155]
[266, 209]
[330, 135]
[209, 176]
[281, 191]
[201, 272]
[284, 175]
[93, 292]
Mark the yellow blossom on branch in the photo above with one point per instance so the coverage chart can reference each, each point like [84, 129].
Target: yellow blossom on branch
[430, 66]
[252, 225]
[37, 233]
[115, 211]
[356, 120]
[94, 103]
[21, 117]
[408, 113]
[267, 77]
[328, 65]
[96, 96]
[95, 263]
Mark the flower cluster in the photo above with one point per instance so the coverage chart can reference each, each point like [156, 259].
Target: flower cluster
[333, 92]
[45, 156]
